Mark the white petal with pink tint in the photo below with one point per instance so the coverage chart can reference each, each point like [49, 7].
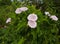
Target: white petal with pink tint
[47, 13]
[23, 8]
[53, 17]
[8, 20]
[18, 11]
[32, 24]
[32, 17]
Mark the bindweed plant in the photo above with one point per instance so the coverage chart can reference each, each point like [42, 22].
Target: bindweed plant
[24, 24]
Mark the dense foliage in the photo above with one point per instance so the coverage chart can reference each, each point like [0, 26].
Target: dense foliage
[18, 32]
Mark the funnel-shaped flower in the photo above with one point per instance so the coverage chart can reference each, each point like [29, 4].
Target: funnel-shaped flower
[32, 24]
[18, 11]
[53, 17]
[32, 17]
[8, 20]
[23, 8]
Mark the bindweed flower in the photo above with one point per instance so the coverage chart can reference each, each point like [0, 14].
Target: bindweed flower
[23, 8]
[32, 24]
[47, 13]
[18, 11]
[53, 17]
[32, 17]
[8, 20]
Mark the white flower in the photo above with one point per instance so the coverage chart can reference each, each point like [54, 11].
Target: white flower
[47, 13]
[32, 24]
[8, 20]
[18, 11]
[53, 17]
[23, 8]
[32, 17]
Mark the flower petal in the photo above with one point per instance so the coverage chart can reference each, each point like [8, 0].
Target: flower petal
[32, 24]
[18, 11]
[8, 20]
[23, 8]
[53, 17]
[47, 13]
[32, 17]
